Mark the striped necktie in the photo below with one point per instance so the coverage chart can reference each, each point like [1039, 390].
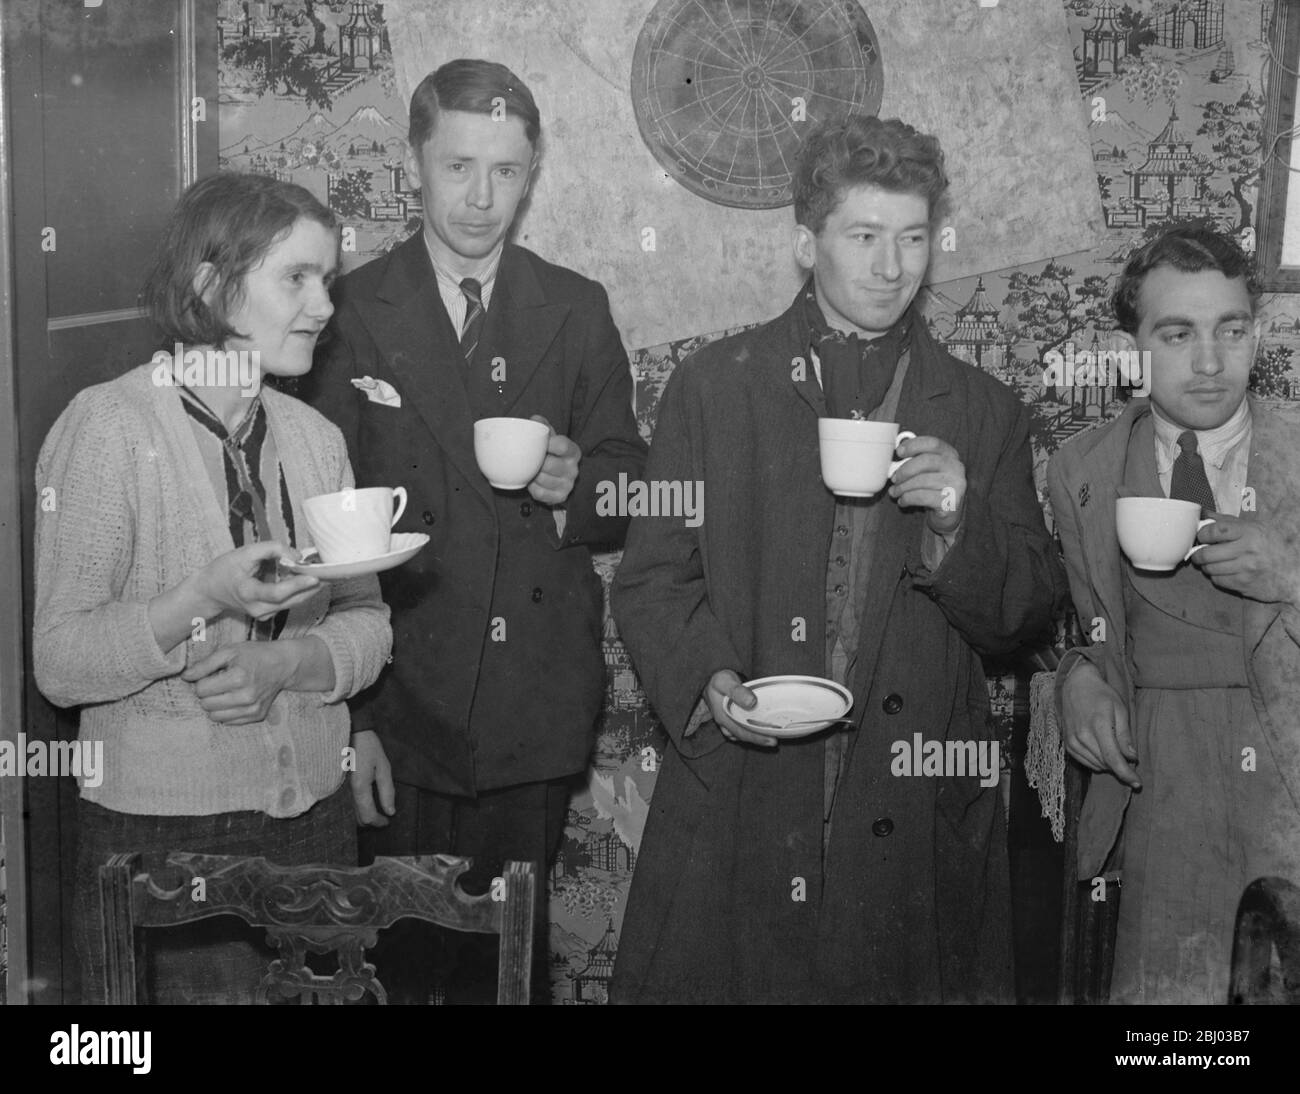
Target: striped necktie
[1189, 481]
[473, 318]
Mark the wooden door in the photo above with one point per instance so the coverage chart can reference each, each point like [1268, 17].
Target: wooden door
[111, 113]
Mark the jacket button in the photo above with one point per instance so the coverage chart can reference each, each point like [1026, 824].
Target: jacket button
[881, 826]
[893, 703]
[526, 510]
[537, 595]
[427, 517]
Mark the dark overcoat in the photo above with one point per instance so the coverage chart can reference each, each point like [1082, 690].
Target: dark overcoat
[497, 675]
[732, 899]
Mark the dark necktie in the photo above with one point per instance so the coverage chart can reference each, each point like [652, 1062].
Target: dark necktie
[1189, 482]
[473, 318]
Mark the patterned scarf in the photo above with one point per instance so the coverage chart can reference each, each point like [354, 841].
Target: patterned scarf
[856, 373]
[246, 495]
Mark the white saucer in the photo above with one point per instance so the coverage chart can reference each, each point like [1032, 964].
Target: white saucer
[404, 544]
[783, 700]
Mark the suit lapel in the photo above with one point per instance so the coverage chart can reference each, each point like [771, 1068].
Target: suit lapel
[520, 324]
[1271, 474]
[410, 327]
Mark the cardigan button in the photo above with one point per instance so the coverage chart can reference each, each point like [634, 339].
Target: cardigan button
[537, 595]
[893, 703]
[882, 826]
[427, 517]
[288, 797]
[526, 510]
[286, 756]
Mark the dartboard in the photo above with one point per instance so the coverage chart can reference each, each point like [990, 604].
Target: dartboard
[725, 90]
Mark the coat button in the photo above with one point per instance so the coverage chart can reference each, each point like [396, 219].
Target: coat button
[881, 826]
[893, 703]
[537, 595]
[427, 517]
[841, 530]
[526, 510]
[840, 590]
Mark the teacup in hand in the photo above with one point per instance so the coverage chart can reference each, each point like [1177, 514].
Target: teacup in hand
[510, 451]
[858, 457]
[1158, 533]
[354, 525]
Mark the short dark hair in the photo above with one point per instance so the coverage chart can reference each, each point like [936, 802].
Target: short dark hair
[863, 150]
[476, 87]
[230, 220]
[1188, 248]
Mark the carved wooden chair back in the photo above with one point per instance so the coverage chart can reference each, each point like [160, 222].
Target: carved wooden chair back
[313, 910]
[1268, 919]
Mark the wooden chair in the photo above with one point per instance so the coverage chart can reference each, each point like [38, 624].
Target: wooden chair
[1268, 919]
[313, 910]
[1088, 925]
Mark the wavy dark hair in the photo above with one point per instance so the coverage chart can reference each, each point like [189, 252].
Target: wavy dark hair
[863, 150]
[1188, 248]
[230, 220]
[473, 86]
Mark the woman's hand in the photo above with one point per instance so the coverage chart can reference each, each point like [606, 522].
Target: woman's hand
[231, 581]
[236, 684]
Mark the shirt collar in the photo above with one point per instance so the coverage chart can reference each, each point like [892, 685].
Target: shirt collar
[486, 275]
[1213, 444]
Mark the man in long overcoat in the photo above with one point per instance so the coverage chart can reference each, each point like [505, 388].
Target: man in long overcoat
[826, 868]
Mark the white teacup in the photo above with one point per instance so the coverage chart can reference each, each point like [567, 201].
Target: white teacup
[1158, 533]
[354, 525]
[510, 451]
[858, 457]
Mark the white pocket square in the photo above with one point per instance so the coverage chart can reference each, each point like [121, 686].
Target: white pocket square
[378, 391]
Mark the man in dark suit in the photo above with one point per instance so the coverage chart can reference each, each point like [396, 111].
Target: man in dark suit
[488, 708]
[823, 869]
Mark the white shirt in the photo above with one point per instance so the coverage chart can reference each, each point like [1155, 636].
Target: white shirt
[449, 289]
[1225, 451]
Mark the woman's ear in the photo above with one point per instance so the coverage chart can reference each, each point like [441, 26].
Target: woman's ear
[205, 282]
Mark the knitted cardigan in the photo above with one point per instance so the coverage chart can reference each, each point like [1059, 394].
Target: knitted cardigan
[126, 510]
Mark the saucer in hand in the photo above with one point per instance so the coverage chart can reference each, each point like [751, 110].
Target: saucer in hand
[402, 547]
[792, 706]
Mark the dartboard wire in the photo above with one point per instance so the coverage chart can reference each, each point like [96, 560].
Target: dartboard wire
[712, 45]
[786, 122]
[773, 134]
[827, 45]
[798, 39]
[794, 9]
[808, 88]
[739, 41]
[749, 25]
[767, 28]
[698, 101]
[703, 122]
[738, 93]
[732, 165]
[694, 61]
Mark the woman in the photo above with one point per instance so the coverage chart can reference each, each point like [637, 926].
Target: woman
[217, 691]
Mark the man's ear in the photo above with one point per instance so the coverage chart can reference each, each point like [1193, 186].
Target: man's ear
[805, 246]
[1120, 340]
[411, 164]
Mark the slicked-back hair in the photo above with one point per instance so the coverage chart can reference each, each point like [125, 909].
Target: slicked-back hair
[863, 150]
[475, 87]
[232, 221]
[1189, 249]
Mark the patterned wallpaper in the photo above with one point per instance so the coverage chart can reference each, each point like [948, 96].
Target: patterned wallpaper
[1173, 91]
